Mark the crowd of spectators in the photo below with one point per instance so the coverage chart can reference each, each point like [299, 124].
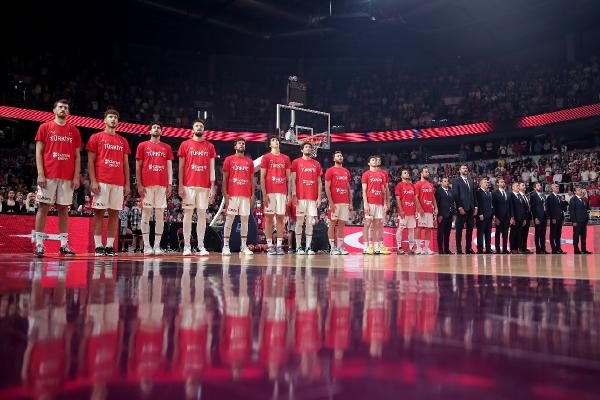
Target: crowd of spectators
[377, 99]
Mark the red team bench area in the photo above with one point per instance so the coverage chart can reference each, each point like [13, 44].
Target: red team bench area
[16, 236]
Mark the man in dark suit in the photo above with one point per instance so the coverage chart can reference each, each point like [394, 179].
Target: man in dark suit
[579, 218]
[528, 217]
[446, 211]
[463, 191]
[485, 214]
[554, 209]
[540, 217]
[501, 204]
[517, 214]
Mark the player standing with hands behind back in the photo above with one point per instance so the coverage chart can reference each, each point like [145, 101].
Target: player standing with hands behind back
[196, 184]
[108, 166]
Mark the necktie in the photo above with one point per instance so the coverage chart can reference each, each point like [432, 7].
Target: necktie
[467, 182]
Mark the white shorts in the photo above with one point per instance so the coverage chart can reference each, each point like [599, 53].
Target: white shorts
[409, 221]
[57, 191]
[154, 197]
[195, 197]
[425, 220]
[110, 197]
[306, 208]
[375, 211]
[238, 206]
[277, 204]
[340, 212]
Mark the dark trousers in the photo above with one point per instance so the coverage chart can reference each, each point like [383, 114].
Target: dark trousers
[515, 235]
[580, 234]
[540, 235]
[555, 234]
[460, 223]
[525, 235]
[502, 230]
[484, 234]
[443, 235]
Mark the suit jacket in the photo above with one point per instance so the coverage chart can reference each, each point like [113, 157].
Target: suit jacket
[517, 207]
[463, 196]
[484, 203]
[501, 206]
[578, 210]
[445, 202]
[554, 207]
[537, 206]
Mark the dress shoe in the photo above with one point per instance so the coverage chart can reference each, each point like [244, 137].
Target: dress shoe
[577, 252]
[505, 252]
[459, 252]
[489, 252]
[480, 252]
[555, 252]
[527, 251]
[470, 251]
[448, 252]
[586, 252]
[561, 251]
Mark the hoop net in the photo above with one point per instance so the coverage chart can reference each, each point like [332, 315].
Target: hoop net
[315, 140]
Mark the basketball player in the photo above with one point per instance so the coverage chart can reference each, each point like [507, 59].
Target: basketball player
[57, 157]
[108, 166]
[426, 209]
[306, 193]
[238, 190]
[375, 202]
[384, 250]
[406, 202]
[196, 184]
[337, 189]
[274, 179]
[154, 177]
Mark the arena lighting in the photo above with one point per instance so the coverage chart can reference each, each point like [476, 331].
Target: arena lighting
[351, 137]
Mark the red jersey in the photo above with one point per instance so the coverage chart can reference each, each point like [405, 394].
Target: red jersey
[273, 349]
[192, 351]
[307, 331]
[102, 356]
[276, 178]
[308, 173]
[196, 172]
[340, 184]
[337, 335]
[406, 192]
[241, 173]
[425, 191]
[60, 147]
[376, 182]
[110, 152]
[235, 344]
[154, 156]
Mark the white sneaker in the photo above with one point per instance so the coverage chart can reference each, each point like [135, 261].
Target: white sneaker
[187, 251]
[418, 251]
[300, 252]
[311, 252]
[148, 251]
[429, 252]
[334, 252]
[246, 251]
[202, 252]
[343, 251]
[226, 251]
[158, 251]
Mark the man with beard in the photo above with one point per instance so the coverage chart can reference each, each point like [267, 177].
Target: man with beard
[108, 166]
[57, 146]
[238, 190]
[306, 193]
[426, 209]
[154, 176]
[406, 203]
[463, 191]
[501, 204]
[196, 184]
[337, 188]
[517, 219]
[557, 216]
[375, 203]
[527, 219]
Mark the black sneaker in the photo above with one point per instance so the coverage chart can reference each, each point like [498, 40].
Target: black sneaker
[110, 252]
[66, 251]
[100, 251]
[39, 250]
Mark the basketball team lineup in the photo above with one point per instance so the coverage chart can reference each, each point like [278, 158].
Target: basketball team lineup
[291, 192]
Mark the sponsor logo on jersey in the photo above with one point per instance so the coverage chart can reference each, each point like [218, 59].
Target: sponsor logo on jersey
[61, 156]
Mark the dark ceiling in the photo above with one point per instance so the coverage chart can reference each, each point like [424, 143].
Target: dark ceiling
[308, 25]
